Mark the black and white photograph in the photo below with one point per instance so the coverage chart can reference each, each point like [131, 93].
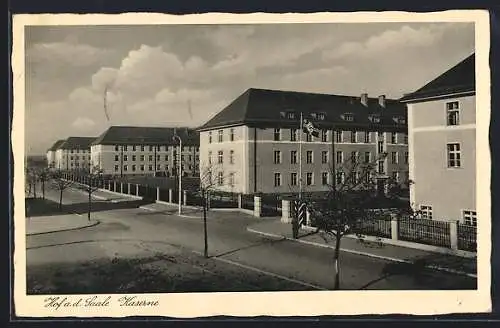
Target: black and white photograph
[270, 160]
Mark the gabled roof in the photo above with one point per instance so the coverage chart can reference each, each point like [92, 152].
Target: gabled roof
[56, 145]
[140, 135]
[261, 107]
[460, 78]
[77, 143]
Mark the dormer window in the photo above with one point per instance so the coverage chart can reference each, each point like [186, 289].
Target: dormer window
[399, 119]
[318, 116]
[289, 115]
[374, 118]
[349, 117]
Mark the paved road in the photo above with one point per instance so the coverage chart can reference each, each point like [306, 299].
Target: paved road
[229, 242]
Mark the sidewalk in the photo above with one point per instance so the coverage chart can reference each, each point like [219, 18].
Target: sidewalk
[47, 224]
[441, 262]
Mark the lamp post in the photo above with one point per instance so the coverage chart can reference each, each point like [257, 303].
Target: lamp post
[179, 170]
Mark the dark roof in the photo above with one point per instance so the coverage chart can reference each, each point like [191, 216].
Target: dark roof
[138, 135]
[261, 107]
[77, 143]
[56, 145]
[460, 78]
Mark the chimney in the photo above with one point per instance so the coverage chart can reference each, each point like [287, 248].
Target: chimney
[364, 99]
[381, 100]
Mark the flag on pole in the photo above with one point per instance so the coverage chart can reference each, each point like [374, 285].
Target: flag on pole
[310, 128]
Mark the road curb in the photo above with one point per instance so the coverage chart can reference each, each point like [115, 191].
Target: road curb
[96, 222]
[387, 258]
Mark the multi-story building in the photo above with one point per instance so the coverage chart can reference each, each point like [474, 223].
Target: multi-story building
[132, 150]
[73, 154]
[442, 145]
[51, 154]
[252, 145]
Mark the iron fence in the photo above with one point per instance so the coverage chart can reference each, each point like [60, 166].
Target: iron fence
[378, 227]
[270, 204]
[247, 202]
[436, 233]
[467, 237]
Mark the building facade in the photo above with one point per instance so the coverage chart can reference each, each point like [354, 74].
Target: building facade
[73, 154]
[442, 137]
[51, 154]
[253, 145]
[126, 150]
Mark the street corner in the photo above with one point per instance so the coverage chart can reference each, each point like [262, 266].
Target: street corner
[53, 224]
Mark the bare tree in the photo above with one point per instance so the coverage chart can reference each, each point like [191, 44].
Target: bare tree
[60, 183]
[92, 179]
[43, 176]
[357, 188]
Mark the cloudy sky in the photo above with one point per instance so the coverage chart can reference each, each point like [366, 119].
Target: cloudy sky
[152, 73]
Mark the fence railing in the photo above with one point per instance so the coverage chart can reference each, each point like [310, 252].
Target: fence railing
[426, 231]
[467, 237]
[379, 227]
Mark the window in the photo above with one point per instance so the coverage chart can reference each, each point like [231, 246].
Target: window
[125, 157]
[393, 138]
[71, 157]
[380, 146]
[309, 179]
[210, 137]
[142, 158]
[381, 167]
[158, 157]
[395, 176]
[231, 157]
[116, 147]
[405, 138]
[293, 157]
[293, 134]
[426, 211]
[231, 135]
[133, 168]
[133, 149]
[367, 136]
[293, 179]
[452, 113]
[150, 167]
[394, 157]
[349, 117]
[142, 148]
[324, 136]
[470, 218]
[277, 134]
[353, 136]
[324, 178]
[150, 148]
[339, 177]
[157, 148]
[277, 179]
[133, 158]
[190, 158]
[125, 148]
[367, 157]
[309, 137]
[125, 167]
[166, 157]
[231, 179]
[338, 136]
[339, 157]
[150, 158]
[354, 157]
[209, 157]
[158, 167]
[277, 157]
[453, 155]
[309, 157]
[220, 156]
[220, 178]
[324, 157]
[406, 157]
[220, 136]
[142, 167]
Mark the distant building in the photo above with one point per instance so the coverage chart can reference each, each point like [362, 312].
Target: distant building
[73, 154]
[131, 150]
[51, 154]
[252, 145]
[442, 136]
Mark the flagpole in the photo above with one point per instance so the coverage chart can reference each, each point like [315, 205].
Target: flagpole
[300, 156]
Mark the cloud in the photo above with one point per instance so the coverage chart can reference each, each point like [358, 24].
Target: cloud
[68, 53]
[83, 123]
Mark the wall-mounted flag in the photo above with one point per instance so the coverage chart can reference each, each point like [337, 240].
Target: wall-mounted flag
[310, 128]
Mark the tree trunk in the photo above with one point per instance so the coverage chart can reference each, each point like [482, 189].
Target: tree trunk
[34, 189]
[336, 263]
[60, 199]
[205, 251]
[43, 189]
[90, 203]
